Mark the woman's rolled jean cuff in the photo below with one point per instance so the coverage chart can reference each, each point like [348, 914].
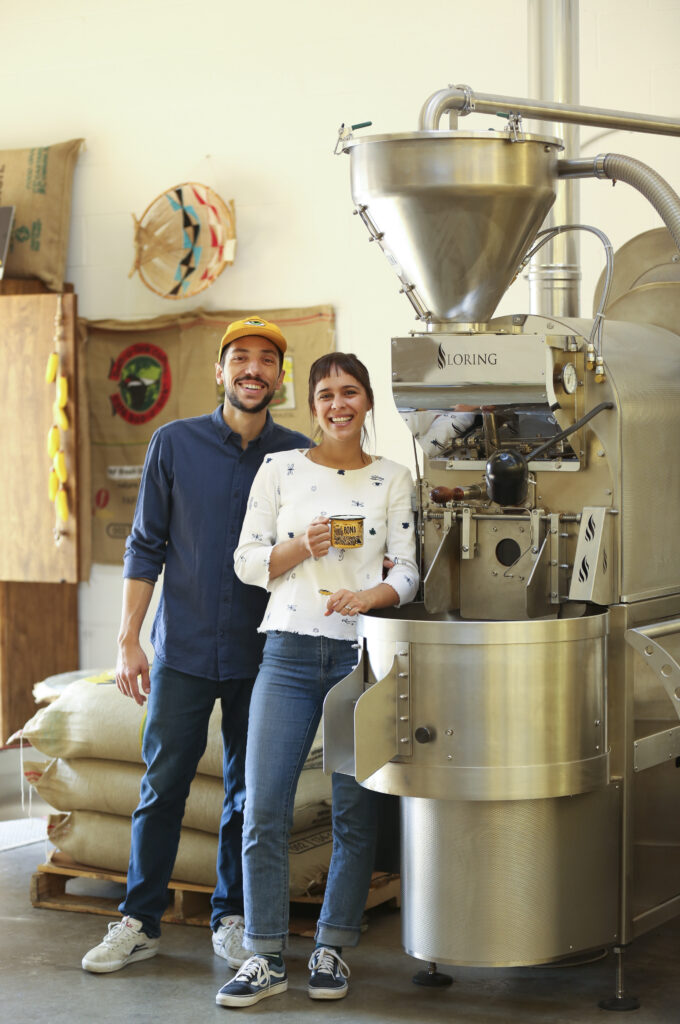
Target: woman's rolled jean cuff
[333, 935]
[263, 944]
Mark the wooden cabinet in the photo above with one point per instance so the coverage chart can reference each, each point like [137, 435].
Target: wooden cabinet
[41, 558]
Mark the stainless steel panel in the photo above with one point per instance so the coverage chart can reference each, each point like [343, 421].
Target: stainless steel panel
[513, 710]
[501, 782]
[650, 831]
[437, 371]
[441, 586]
[659, 645]
[412, 623]
[506, 884]
[338, 722]
[654, 303]
[640, 443]
[491, 590]
[645, 259]
[375, 726]
[656, 748]
[593, 577]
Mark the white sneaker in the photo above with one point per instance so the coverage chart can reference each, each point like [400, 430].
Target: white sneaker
[228, 941]
[124, 943]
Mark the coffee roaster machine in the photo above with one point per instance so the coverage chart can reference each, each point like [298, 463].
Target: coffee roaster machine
[526, 711]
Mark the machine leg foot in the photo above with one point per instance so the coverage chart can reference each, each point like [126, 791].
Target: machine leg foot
[620, 1001]
[432, 978]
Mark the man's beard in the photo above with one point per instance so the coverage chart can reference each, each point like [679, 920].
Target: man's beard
[234, 400]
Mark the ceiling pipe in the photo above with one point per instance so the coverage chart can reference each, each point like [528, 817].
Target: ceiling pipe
[463, 100]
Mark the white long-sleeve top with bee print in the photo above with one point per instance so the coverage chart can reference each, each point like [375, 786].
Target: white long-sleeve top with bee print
[288, 492]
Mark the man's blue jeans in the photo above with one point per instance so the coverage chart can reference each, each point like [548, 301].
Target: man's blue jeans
[175, 735]
[296, 674]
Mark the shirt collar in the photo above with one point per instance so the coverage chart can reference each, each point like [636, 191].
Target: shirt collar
[227, 434]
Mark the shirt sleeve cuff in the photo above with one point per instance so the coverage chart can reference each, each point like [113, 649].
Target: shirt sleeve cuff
[140, 568]
[404, 582]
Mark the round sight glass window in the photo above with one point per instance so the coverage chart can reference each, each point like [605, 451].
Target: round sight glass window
[508, 551]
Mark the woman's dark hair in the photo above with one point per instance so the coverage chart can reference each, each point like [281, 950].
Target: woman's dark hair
[340, 362]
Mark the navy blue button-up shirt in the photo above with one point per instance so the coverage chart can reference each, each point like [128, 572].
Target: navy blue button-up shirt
[191, 504]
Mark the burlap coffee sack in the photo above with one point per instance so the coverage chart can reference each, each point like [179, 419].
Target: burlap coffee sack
[103, 841]
[38, 183]
[95, 720]
[144, 373]
[86, 784]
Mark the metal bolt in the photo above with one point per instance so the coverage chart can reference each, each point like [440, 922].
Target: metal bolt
[449, 732]
[449, 757]
[494, 529]
[600, 454]
[403, 696]
[402, 675]
[404, 739]
[402, 654]
[521, 529]
[553, 561]
[403, 718]
[597, 721]
[534, 551]
[554, 595]
[465, 547]
[598, 747]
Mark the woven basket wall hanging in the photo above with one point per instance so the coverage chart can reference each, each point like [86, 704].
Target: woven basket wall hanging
[184, 240]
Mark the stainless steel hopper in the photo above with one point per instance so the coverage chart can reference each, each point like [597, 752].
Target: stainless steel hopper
[455, 212]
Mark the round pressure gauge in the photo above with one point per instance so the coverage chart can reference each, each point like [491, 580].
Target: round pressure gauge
[569, 378]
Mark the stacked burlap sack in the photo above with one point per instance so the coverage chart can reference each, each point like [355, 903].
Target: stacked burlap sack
[93, 735]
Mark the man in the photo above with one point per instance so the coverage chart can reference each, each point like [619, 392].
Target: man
[192, 500]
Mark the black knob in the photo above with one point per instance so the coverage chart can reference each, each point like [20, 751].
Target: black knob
[424, 734]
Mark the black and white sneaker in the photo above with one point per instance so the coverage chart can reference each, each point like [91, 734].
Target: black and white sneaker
[124, 943]
[328, 979]
[257, 979]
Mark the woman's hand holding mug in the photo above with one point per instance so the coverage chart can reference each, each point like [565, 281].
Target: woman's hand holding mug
[317, 537]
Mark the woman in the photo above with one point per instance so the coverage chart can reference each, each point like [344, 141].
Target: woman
[316, 593]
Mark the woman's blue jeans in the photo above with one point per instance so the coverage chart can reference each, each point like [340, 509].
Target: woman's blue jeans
[296, 674]
[175, 736]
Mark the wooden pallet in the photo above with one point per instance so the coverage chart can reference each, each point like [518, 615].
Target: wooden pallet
[189, 903]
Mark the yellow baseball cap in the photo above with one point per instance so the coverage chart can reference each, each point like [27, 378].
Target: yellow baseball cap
[252, 326]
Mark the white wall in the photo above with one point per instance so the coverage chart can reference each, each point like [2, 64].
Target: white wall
[247, 98]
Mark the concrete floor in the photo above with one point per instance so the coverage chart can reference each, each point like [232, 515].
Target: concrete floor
[41, 978]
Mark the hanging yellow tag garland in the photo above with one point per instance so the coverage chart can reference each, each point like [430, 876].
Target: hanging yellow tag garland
[58, 476]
